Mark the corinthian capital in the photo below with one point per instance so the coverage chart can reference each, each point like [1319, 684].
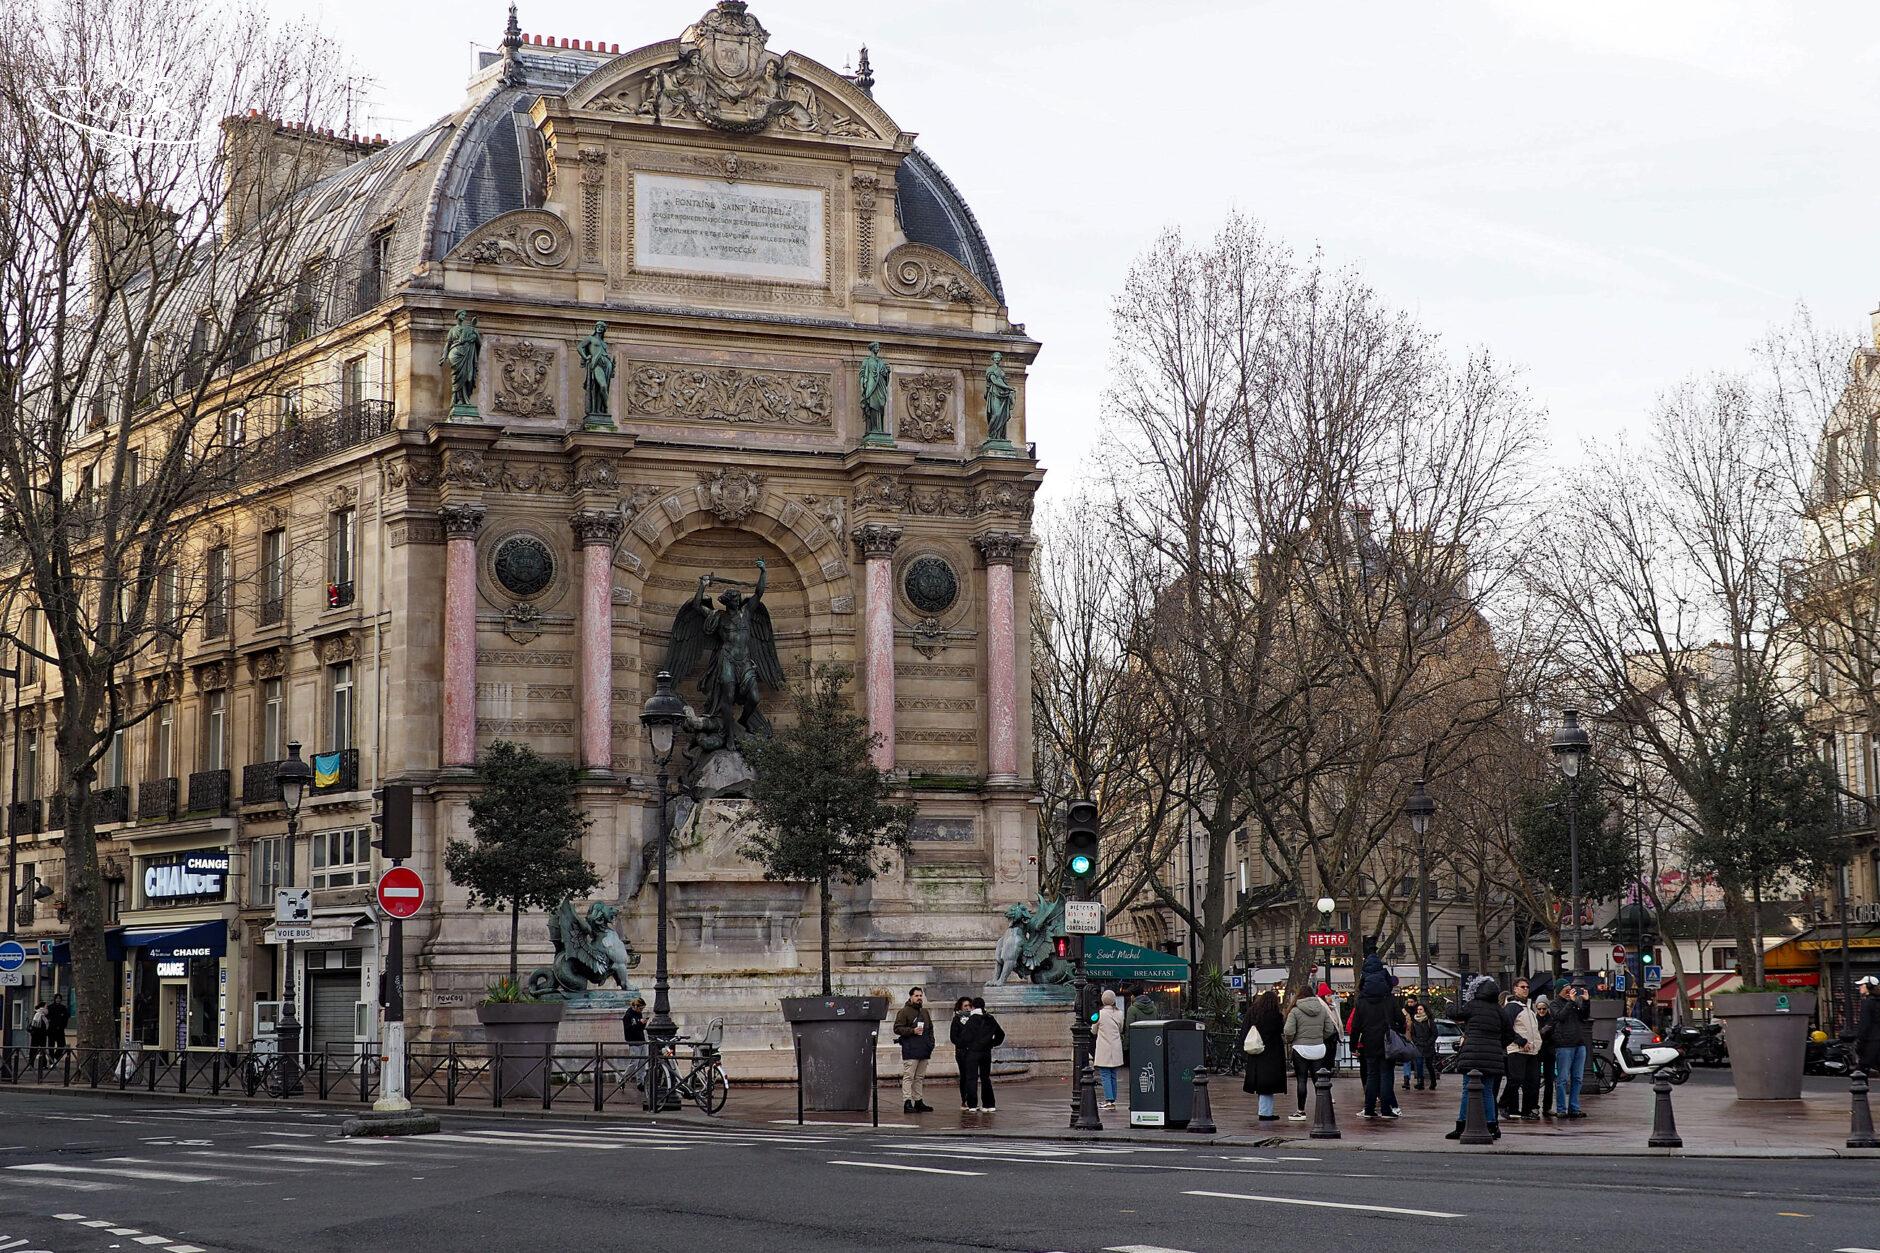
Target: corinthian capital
[595, 526]
[873, 541]
[461, 521]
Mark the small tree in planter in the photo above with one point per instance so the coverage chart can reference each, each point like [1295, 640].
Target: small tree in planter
[822, 810]
[528, 830]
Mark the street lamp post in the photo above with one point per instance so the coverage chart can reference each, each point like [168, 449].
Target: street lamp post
[1326, 906]
[13, 849]
[293, 776]
[1571, 746]
[662, 715]
[1420, 809]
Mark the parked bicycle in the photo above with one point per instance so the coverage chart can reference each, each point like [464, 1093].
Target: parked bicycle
[704, 1082]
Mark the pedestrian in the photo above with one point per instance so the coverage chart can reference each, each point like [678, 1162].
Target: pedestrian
[57, 1016]
[1422, 1038]
[1484, 1047]
[1371, 1017]
[913, 1031]
[1520, 1091]
[969, 1091]
[633, 1029]
[979, 1035]
[1109, 1054]
[1266, 1070]
[1412, 1067]
[1571, 1014]
[1309, 1034]
[1867, 1025]
[1543, 1007]
[36, 1035]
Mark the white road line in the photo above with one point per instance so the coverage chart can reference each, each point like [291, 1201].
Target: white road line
[523, 1142]
[925, 1170]
[245, 1161]
[184, 1248]
[1141, 1248]
[1293, 1200]
[1857, 1251]
[298, 1135]
[165, 1176]
[852, 1126]
[76, 1185]
[153, 1239]
[325, 1159]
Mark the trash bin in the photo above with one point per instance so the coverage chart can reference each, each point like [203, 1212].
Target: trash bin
[836, 1038]
[1163, 1057]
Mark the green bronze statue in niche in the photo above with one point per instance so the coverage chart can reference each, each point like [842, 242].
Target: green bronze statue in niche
[460, 358]
[597, 369]
[999, 396]
[874, 394]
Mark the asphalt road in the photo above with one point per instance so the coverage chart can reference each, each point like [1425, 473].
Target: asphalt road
[86, 1175]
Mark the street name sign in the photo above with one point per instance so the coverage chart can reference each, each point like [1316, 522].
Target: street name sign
[1328, 939]
[1083, 917]
[401, 892]
[283, 931]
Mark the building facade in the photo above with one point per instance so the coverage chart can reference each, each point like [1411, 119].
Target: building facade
[425, 574]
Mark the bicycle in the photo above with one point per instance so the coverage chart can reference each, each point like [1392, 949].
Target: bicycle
[704, 1083]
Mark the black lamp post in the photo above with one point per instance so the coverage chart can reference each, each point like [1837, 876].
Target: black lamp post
[662, 715]
[1420, 809]
[1326, 906]
[1571, 746]
[293, 776]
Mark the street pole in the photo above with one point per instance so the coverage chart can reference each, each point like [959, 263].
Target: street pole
[287, 1028]
[1423, 915]
[13, 851]
[661, 1027]
[1573, 856]
[392, 1098]
[1847, 974]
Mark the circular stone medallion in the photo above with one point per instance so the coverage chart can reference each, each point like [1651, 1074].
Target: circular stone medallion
[931, 585]
[524, 566]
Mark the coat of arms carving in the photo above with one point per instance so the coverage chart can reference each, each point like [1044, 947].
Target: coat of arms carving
[731, 494]
[523, 382]
[928, 416]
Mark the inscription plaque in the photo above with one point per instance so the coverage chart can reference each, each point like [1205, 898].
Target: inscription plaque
[737, 230]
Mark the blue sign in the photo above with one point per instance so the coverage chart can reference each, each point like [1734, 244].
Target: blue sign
[1237, 981]
[12, 955]
[1654, 974]
[1618, 982]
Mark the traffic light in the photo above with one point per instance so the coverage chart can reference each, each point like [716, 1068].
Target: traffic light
[392, 817]
[1647, 956]
[1080, 847]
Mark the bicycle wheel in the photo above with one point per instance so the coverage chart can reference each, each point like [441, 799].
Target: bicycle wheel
[711, 1088]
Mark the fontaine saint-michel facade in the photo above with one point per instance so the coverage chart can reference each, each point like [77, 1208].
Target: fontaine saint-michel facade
[621, 332]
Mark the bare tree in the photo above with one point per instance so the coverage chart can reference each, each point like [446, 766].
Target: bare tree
[143, 272]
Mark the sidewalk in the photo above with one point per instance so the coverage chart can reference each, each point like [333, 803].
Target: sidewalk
[1711, 1120]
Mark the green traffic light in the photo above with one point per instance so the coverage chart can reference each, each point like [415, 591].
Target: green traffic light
[1080, 864]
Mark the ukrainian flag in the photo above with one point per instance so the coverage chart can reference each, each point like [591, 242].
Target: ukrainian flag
[326, 769]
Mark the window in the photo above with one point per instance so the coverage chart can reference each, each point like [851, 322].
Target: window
[169, 598]
[342, 859]
[216, 600]
[1722, 957]
[290, 406]
[29, 632]
[117, 759]
[300, 316]
[235, 427]
[267, 870]
[214, 729]
[113, 900]
[342, 541]
[88, 480]
[273, 576]
[29, 765]
[133, 468]
[352, 382]
[1243, 877]
[273, 724]
[163, 751]
[341, 678]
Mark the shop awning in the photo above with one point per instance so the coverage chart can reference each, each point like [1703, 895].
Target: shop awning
[1697, 986]
[200, 939]
[1107, 958]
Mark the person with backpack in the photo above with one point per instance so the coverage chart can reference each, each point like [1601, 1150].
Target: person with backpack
[1486, 1036]
[36, 1035]
[1310, 1035]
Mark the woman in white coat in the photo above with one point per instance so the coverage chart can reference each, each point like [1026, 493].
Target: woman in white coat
[1109, 1058]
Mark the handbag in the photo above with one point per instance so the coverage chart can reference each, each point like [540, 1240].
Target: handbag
[1396, 1048]
[1255, 1043]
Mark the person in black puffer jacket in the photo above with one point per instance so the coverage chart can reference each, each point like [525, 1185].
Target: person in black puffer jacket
[1486, 1036]
[1572, 1013]
[1371, 1021]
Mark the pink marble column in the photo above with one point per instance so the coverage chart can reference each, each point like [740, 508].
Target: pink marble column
[1000, 550]
[874, 546]
[595, 531]
[461, 523]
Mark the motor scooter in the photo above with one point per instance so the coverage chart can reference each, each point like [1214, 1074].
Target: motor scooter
[1702, 1044]
[1633, 1054]
[1827, 1057]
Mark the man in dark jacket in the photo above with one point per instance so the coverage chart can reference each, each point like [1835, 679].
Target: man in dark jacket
[1371, 1021]
[1572, 1014]
[979, 1035]
[913, 1031]
[1486, 1036]
[57, 1016]
[1867, 1025]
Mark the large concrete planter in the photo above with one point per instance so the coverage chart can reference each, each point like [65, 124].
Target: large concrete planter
[526, 1032]
[835, 1039]
[1768, 1035]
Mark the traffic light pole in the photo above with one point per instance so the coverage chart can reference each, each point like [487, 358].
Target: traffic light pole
[1081, 836]
[394, 821]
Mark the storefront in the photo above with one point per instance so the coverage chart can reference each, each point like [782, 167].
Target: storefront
[1814, 960]
[337, 980]
[177, 972]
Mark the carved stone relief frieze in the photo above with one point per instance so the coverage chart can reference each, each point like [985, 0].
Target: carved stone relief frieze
[919, 272]
[890, 493]
[668, 390]
[336, 648]
[524, 238]
[731, 495]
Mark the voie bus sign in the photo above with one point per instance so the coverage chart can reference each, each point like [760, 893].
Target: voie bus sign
[186, 876]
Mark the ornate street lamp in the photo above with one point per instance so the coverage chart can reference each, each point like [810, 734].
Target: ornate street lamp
[1420, 809]
[1326, 906]
[662, 716]
[1571, 747]
[293, 776]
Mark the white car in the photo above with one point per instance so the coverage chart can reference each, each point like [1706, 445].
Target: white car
[1447, 1033]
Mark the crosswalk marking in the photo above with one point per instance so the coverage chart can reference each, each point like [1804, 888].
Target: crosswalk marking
[161, 1176]
[325, 1159]
[487, 1142]
[1347, 1205]
[1141, 1248]
[75, 1185]
[925, 1170]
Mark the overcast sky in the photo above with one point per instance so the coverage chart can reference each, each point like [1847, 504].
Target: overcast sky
[1610, 193]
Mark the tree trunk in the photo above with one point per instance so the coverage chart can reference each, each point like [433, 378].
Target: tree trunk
[515, 926]
[1742, 929]
[823, 907]
[91, 967]
[1757, 923]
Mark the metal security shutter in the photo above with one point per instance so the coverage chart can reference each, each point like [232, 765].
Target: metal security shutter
[330, 1000]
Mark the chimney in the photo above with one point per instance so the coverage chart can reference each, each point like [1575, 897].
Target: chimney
[264, 160]
[127, 239]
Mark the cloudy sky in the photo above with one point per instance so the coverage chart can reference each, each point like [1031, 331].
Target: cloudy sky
[1612, 194]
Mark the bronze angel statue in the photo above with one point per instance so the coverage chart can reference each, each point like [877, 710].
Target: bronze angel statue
[738, 646]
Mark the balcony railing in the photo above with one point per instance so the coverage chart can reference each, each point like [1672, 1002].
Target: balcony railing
[208, 792]
[156, 800]
[109, 804]
[339, 595]
[23, 818]
[308, 438]
[258, 785]
[273, 611]
[114, 804]
[347, 779]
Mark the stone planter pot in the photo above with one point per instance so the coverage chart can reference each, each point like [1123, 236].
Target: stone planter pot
[526, 1034]
[1768, 1034]
[835, 1038]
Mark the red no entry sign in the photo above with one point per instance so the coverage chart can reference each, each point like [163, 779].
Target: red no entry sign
[401, 892]
[1618, 954]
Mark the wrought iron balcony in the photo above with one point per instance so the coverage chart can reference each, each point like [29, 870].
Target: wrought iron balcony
[258, 785]
[339, 595]
[23, 817]
[114, 804]
[156, 800]
[273, 610]
[208, 792]
[348, 776]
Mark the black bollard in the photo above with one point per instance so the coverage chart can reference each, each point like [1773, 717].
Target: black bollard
[1860, 1131]
[1664, 1126]
[1475, 1126]
[1087, 1117]
[1324, 1118]
[1201, 1117]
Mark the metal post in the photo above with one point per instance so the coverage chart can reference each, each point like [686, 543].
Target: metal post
[797, 1043]
[1847, 972]
[13, 845]
[287, 1027]
[874, 1078]
[1573, 856]
[1423, 917]
[1084, 1116]
[1475, 1120]
[661, 1026]
[1664, 1126]
[1201, 1114]
[1324, 1117]
[1860, 1125]
[392, 1098]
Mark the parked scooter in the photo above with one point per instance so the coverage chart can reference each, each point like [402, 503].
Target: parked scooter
[1827, 1057]
[1702, 1045]
[1639, 1051]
